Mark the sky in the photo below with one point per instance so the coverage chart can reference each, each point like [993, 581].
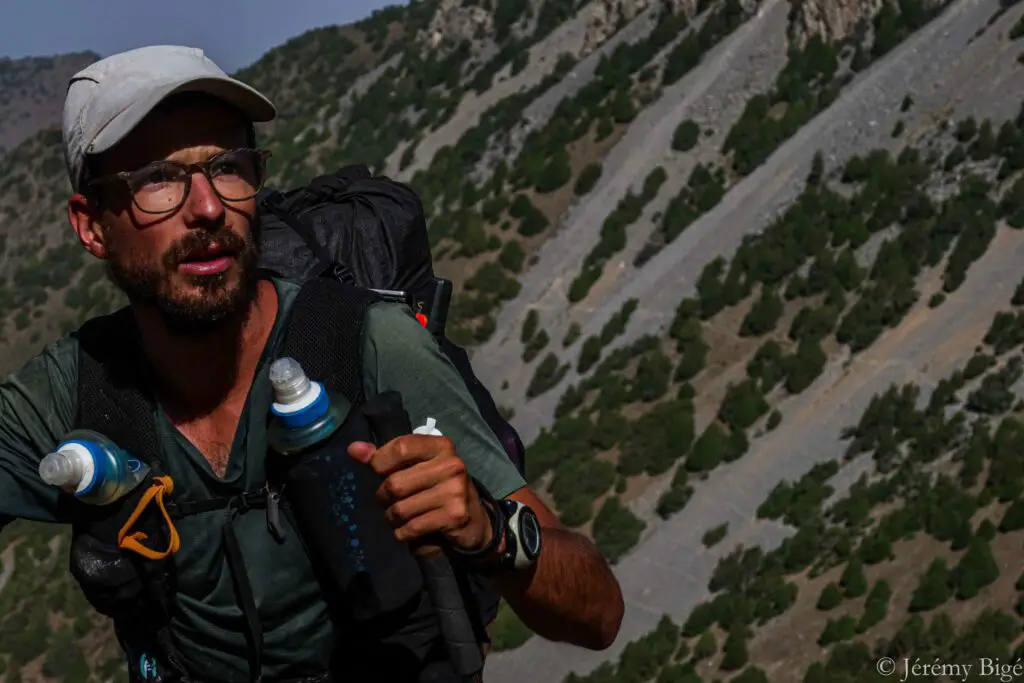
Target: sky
[234, 33]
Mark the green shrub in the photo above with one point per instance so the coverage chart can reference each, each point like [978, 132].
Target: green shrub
[742, 406]
[654, 372]
[804, 367]
[714, 446]
[933, 590]
[830, 597]
[875, 606]
[555, 173]
[530, 324]
[763, 316]
[491, 279]
[512, 256]
[571, 335]
[705, 647]
[1013, 518]
[734, 651]
[588, 179]
[581, 284]
[658, 439]
[535, 345]
[678, 495]
[714, 535]
[686, 136]
[547, 375]
[590, 353]
[509, 632]
[853, 582]
[976, 569]
[616, 529]
[837, 630]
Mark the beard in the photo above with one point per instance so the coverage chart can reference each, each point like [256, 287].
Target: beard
[210, 300]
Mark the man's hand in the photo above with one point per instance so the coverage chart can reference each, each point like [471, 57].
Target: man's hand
[427, 490]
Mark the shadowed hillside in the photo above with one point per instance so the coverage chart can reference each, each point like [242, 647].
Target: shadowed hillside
[32, 94]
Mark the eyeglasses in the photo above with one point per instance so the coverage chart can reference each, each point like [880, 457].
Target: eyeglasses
[162, 186]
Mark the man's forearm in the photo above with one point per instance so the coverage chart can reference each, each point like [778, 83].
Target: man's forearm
[570, 594]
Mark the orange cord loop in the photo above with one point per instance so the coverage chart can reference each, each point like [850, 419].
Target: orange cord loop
[133, 541]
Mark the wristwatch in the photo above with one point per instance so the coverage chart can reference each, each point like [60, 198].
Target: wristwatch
[515, 537]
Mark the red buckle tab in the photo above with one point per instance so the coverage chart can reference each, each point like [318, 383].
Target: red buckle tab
[422, 319]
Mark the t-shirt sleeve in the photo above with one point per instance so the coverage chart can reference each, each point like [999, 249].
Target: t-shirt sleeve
[37, 408]
[400, 355]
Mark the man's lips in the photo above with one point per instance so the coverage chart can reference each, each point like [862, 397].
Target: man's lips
[209, 261]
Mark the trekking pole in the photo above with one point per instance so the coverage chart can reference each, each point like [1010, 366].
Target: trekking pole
[389, 420]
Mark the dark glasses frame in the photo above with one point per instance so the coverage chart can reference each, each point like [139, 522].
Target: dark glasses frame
[189, 170]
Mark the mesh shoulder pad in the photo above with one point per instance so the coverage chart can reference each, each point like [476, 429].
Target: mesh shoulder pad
[111, 395]
[325, 334]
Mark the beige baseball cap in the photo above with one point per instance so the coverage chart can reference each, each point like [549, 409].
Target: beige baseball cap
[109, 98]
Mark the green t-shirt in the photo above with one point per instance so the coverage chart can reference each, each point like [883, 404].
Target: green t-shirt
[38, 406]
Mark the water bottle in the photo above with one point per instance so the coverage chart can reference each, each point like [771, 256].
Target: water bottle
[304, 411]
[332, 496]
[93, 468]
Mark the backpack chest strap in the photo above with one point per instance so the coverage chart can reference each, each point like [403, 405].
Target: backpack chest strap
[262, 499]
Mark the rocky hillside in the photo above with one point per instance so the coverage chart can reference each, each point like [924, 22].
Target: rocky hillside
[745, 276]
[32, 94]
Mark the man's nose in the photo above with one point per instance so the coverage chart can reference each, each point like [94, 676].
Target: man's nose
[203, 206]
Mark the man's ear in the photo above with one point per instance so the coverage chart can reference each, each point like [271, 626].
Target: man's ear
[85, 219]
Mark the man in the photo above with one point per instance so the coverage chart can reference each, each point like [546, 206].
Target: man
[159, 150]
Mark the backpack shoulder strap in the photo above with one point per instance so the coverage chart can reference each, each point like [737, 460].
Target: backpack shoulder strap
[325, 334]
[111, 398]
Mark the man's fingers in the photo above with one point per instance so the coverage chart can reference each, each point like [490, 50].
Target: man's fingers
[441, 520]
[406, 509]
[442, 474]
[401, 453]
[362, 451]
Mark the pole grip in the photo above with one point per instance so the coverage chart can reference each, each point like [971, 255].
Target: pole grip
[388, 419]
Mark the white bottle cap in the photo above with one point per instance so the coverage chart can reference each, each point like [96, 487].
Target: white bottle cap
[70, 467]
[292, 389]
[429, 429]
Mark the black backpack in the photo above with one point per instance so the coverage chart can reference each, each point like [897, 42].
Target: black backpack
[371, 231]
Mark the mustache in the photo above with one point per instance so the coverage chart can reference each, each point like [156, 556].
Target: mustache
[228, 242]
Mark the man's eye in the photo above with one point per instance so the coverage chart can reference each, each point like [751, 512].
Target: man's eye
[228, 166]
[155, 176]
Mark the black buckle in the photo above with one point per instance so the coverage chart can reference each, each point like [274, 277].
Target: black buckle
[340, 273]
[247, 500]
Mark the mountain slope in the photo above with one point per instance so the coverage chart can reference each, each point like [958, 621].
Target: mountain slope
[691, 240]
[32, 94]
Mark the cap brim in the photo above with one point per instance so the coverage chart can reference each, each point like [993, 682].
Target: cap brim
[249, 101]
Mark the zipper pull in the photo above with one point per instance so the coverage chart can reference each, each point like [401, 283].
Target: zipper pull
[274, 516]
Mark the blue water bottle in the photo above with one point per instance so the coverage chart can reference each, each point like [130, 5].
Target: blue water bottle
[305, 412]
[332, 496]
[93, 468]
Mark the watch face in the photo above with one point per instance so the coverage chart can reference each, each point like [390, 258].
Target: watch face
[529, 532]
